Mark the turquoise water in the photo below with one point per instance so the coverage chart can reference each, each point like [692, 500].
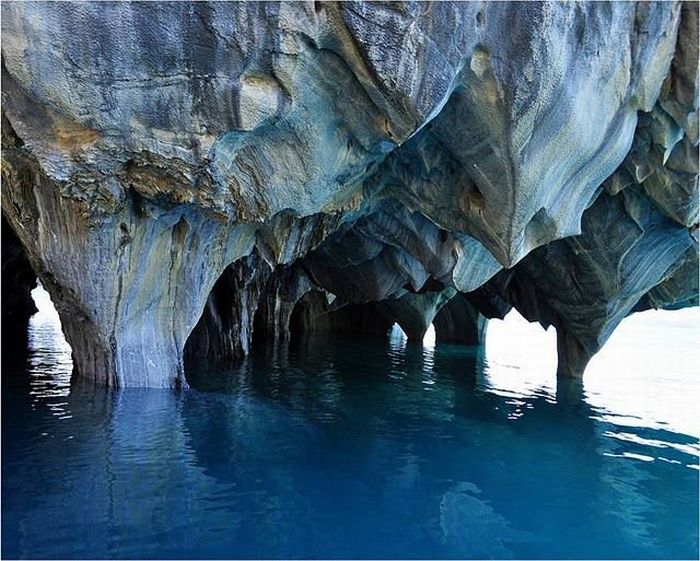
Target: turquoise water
[357, 449]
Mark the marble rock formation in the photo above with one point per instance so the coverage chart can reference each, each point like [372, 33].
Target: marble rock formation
[18, 281]
[188, 179]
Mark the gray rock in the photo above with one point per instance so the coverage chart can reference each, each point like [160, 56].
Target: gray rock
[460, 322]
[629, 257]
[187, 177]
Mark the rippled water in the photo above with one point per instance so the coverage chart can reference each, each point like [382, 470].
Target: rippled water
[359, 449]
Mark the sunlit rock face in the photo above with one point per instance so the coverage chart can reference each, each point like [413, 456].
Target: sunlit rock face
[639, 243]
[185, 178]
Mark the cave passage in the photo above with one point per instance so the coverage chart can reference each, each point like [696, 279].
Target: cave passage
[518, 356]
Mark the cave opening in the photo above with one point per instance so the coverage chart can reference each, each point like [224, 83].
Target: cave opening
[44, 305]
[38, 342]
[31, 327]
[399, 335]
[313, 315]
[45, 329]
[309, 316]
[460, 322]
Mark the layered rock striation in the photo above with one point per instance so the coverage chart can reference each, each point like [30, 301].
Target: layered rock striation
[190, 179]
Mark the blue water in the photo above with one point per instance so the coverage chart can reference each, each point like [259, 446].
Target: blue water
[363, 450]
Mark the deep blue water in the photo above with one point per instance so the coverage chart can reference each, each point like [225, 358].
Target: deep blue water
[362, 450]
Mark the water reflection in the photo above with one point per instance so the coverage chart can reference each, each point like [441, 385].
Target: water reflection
[343, 449]
[644, 378]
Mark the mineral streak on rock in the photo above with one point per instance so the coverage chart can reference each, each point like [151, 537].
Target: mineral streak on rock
[187, 179]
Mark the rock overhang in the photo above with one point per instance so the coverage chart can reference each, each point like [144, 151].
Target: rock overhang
[370, 150]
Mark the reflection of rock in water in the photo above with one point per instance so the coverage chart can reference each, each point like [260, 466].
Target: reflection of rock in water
[244, 443]
[473, 528]
[229, 434]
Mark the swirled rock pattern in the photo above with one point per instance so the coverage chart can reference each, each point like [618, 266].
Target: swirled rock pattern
[188, 178]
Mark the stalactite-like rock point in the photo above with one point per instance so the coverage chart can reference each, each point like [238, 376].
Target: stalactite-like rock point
[190, 179]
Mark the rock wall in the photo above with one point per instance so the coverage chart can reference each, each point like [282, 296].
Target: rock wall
[188, 178]
[18, 281]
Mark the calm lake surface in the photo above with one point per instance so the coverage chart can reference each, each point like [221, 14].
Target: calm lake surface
[351, 450]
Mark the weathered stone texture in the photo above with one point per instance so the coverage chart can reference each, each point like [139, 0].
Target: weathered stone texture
[187, 177]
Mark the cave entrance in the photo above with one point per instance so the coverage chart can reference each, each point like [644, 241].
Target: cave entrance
[45, 333]
[32, 335]
[35, 349]
[313, 314]
[310, 315]
[398, 335]
[460, 322]
[222, 337]
[44, 305]
[513, 344]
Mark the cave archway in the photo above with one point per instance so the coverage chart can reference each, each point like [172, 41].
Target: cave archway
[35, 350]
[460, 322]
[309, 315]
[429, 338]
[313, 314]
[223, 334]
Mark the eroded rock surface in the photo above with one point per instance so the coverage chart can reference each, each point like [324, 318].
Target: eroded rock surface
[18, 281]
[187, 179]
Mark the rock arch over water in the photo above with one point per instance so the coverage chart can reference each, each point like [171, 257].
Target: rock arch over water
[175, 171]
